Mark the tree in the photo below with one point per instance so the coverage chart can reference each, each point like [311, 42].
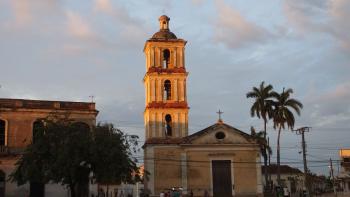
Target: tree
[112, 151]
[31, 166]
[259, 136]
[67, 153]
[262, 108]
[282, 116]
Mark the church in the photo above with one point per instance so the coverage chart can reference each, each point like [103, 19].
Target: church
[219, 160]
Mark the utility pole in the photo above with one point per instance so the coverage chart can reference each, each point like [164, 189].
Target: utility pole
[332, 175]
[301, 132]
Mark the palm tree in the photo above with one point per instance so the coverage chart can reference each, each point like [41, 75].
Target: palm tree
[259, 136]
[283, 115]
[262, 108]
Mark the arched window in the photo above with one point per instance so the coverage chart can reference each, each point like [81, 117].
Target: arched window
[2, 183]
[166, 58]
[168, 125]
[167, 90]
[2, 132]
[38, 127]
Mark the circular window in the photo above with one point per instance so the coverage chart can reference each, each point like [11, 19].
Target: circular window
[220, 135]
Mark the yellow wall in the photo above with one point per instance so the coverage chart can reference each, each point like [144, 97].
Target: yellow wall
[344, 153]
[19, 123]
[168, 168]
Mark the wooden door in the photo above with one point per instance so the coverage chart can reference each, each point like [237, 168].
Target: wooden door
[222, 183]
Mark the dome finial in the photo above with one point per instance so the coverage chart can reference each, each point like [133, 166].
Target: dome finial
[164, 22]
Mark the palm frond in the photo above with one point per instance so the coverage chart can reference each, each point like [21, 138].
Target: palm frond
[251, 95]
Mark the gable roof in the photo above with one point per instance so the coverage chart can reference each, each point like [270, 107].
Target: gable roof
[215, 126]
[189, 139]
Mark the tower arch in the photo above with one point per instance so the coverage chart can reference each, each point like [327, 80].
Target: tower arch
[166, 58]
[167, 90]
[168, 125]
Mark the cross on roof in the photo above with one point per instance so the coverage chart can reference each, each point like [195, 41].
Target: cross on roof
[220, 112]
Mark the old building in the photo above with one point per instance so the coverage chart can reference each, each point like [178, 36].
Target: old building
[18, 119]
[344, 175]
[292, 178]
[220, 160]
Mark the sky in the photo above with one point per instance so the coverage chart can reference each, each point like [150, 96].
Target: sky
[70, 50]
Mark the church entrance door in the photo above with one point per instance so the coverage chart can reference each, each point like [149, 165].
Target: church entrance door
[222, 183]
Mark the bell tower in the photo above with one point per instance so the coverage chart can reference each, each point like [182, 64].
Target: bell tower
[166, 110]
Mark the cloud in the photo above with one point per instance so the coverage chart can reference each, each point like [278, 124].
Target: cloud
[166, 6]
[131, 30]
[118, 12]
[328, 17]
[103, 6]
[25, 12]
[331, 108]
[233, 30]
[340, 12]
[198, 2]
[77, 27]
[305, 15]
[22, 13]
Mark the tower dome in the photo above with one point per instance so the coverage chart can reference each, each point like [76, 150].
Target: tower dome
[164, 33]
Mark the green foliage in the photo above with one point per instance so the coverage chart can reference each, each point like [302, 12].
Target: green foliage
[67, 152]
[283, 106]
[269, 104]
[33, 165]
[264, 146]
[112, 151]
[283, 115]
[262, 106]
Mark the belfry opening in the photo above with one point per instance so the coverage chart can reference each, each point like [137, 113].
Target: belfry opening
[168, 125]
[167, 90]
[166, 58]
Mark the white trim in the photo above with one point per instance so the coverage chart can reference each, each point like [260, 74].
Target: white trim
[215, 158]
